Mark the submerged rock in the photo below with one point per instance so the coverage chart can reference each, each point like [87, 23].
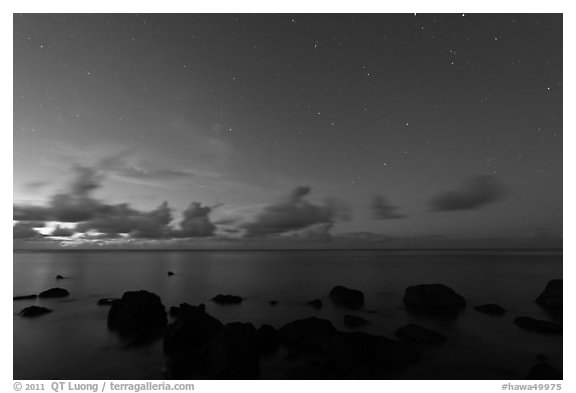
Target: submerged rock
[137, 312]
[54, 293]
[353, 321]
[551, 298]
[433, 298]
[25, 297]
[538, 325]
[416, 333]
[309, 333]
[316, 303]
[232, 354]
[544, 371]
[107, 301]
[492, 309]
[227, 299]
[34, 311]
[268, 339]
[193, 328]
[347, 296]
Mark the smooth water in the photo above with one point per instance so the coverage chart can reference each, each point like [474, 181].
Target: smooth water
[73, 342]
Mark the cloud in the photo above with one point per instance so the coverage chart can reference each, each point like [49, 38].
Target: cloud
[293, 213]
[30, 213]
[75, 204]
[25, 229]
[123, 219]
[383, 210]
[196, 222]
[62, 232]
[474, 193]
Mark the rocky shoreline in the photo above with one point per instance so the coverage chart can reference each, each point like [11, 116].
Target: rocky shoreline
[199, 346]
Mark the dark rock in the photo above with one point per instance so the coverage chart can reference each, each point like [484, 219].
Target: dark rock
[353, 321]
[544, 371]
[436, 298]
[193, 328]
[108, 301]
[268, 339]
[170, 273]
[137, 312]
[54, 292]
[174, 311]
[309, 333]
[59, 277]
[34, 311]
[316, 303]
[415, 333]
[232, 354]
[541, 357]
[227, 299]
[551, 298]
[361, 353]
[346, 296]
[25, 297]
[273, 302]
[538, 325]
[315, 369]
[492, 309]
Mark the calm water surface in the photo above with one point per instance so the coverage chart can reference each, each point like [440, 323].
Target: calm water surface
[73, 342]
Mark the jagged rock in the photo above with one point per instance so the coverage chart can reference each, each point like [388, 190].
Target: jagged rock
[551, 298]
[433, 298]
[34, 311]
[538, 325]
[353, 321]
[268, 339]
[416, 333]
[137, 312]
[54, 293]
[25, 297]
[492, 309]
[346, 296]
[232, 354]
[544, 371]
[227, 299]
[316, 303]
[193, 328]
[309, 333]
[107, 301]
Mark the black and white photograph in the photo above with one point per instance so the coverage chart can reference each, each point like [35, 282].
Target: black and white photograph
[288, 196]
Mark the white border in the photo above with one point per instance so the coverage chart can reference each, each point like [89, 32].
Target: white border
[296, 6]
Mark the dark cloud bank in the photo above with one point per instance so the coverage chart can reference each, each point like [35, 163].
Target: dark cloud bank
[77, 205]
[474, 193]
[295, 213]
[293, 218]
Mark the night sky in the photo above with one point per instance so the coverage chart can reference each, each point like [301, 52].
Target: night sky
[288, 130]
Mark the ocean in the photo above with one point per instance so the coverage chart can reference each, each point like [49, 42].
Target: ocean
[73, 342]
